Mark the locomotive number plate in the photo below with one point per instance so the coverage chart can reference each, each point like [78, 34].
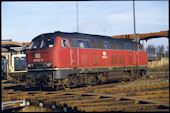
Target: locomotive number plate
[37, 55]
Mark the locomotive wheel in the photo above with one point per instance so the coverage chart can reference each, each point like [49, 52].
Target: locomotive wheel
[127, 76]
[92, 81]
[137, 74]
[57, 87]
[132, 75]
[143, 74]
[101, 79]
[27, 85]
[15, 81]
[66, 85]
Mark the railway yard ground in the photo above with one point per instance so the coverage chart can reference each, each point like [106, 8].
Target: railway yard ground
[148, 94]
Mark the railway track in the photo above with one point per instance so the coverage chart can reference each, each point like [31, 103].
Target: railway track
[140, 95]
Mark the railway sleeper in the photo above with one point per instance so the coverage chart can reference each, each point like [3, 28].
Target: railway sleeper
[64, 100]
[137, 107]
[146, 93]
[133, 88]
[164, 99]
[96, 88]
[102, 104]
[154, 96]
[88, 101]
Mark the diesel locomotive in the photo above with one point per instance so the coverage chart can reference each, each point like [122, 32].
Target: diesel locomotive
[65, 60]
[14, 66]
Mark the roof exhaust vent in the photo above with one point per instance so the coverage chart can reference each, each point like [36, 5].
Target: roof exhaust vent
[57, 32]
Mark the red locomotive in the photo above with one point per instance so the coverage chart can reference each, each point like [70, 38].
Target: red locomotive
[62, 59]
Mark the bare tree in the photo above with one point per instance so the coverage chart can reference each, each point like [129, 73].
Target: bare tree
[167, 51]
[151, 50]
[160, 50]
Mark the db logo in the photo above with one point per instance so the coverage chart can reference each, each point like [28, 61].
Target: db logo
[37, 55]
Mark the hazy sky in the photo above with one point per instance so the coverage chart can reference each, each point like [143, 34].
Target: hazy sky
[22, 21]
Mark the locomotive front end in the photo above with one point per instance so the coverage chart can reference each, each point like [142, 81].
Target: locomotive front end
[40, 62]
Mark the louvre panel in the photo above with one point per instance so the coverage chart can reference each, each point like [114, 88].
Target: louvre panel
[95, 60]
[121, 59]
[84, 59]
[16, 67]
[23, 66]
[130, 59]
[114, 59]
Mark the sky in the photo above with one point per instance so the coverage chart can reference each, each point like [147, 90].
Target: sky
[21, 21]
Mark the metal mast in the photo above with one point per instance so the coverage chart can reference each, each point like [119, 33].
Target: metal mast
[134, 20]
[77, 18]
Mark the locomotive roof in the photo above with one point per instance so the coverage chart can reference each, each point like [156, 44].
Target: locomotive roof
[82, 36]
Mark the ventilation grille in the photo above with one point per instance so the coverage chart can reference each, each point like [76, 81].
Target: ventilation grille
[121, 59]
[114, 59]
[130, 59]
[95, 59]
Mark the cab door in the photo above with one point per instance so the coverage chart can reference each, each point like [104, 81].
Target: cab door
[73, 57]
[137, 57]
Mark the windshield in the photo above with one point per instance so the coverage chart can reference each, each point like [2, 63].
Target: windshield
[34, 44]
[47, 43]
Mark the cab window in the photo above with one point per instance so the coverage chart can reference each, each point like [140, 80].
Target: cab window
[34, 44]
[47, 43]
[141, 48]
[64, 42]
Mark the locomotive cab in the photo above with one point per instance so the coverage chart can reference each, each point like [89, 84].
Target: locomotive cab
[38, 55]
[43, 61]
[42, 54]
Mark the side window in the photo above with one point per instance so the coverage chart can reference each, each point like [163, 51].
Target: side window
[64, 43]
[88, 44]
[112, 45]
[72, 42]
[100, 44]
[140, 48]
[136, 47]
[119, 47]
[93, 43]
[81, 44]
[128, 47]
[106, 45]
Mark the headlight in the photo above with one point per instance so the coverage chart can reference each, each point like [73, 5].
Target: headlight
[29, 65]
[48, 64]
